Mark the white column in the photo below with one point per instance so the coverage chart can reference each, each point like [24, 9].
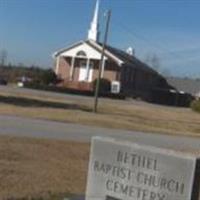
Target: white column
[103, 67]
[57, 64]
[72, 68]
[87, 69]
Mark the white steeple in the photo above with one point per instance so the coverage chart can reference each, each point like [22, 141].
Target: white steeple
[93, 33]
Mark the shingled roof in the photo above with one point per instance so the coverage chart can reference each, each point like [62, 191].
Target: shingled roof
[129, 60]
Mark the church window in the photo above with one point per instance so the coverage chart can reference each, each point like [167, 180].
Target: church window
[81, 54]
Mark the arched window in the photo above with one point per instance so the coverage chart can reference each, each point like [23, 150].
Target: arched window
[81, 54]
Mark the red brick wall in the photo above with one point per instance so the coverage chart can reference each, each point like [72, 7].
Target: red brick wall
[63, 71]
[111, 71]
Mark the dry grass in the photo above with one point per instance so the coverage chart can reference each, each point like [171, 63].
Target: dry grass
[35, 167]
[130, 115]
[38, 168]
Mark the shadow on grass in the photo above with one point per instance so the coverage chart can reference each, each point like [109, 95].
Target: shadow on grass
[28, 102]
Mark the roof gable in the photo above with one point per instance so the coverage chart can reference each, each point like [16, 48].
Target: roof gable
[82, 46]
[91, 48]
[57, 53]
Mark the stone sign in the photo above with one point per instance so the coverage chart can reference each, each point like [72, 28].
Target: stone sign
[128, 171]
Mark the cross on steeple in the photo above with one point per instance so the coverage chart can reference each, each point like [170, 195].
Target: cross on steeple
[93, 33]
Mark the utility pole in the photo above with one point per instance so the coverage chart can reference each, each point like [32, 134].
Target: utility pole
[101, 61]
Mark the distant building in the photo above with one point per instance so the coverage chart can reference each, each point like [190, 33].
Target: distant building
[186, 85]
[77, 67]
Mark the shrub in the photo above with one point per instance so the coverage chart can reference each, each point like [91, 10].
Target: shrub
[104, 85]
[48, 77]
[195, 105]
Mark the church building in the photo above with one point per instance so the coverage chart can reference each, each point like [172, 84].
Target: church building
[77, 67]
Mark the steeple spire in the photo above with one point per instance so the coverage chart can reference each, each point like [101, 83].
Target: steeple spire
[93, 33]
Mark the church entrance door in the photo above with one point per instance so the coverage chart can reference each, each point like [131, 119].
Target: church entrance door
[83, 76]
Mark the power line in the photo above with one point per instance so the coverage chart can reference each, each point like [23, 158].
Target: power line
[155, 45]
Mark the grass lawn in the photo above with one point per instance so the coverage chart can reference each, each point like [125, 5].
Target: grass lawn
[35, 168]
[120, 114]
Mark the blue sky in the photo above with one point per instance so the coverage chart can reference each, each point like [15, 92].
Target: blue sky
[31, 30]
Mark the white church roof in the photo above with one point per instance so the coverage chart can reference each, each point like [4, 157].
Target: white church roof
[91, 48]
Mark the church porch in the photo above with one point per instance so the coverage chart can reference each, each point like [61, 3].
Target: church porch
[77, 72]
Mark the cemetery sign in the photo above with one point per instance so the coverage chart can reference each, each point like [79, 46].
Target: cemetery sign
[128, 171]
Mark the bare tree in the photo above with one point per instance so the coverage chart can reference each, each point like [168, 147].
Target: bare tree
[166, 72]
[3, 57]
[153, 61]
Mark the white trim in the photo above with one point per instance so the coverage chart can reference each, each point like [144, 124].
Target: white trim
[72, 68]
[90, 74]
[91, 52]
[103, 68]
[57, 64]
[92, 44]
[83, 71]
[56, 54]
[87, 69]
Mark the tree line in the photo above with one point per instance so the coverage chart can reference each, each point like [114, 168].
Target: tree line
[33, 74]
